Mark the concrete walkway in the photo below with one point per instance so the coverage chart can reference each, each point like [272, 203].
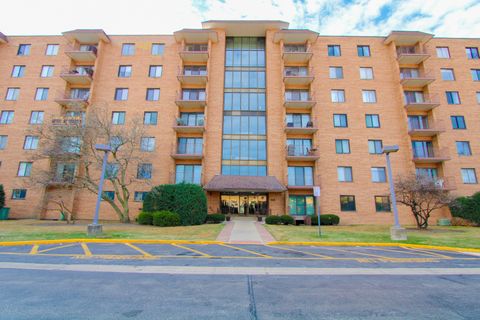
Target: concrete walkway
[245, 230]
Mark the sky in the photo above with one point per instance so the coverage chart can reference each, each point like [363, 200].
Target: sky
[444, 18]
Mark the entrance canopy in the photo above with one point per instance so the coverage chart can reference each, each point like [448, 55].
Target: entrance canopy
[244, 184]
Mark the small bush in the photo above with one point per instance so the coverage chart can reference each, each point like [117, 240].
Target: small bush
[145, 218]
[273, 220]
[326, 220]
[286, 219]
[215, 218]
[467, 208]
[166, 219]
[2, 197]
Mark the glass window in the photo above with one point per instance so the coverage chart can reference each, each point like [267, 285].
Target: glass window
[121, 94]
[378, 174]
[65, 172]
[188, 174]
[155, 71]
[301, 205]
[422, 149]
[431, 173]
[18, 71]
[144, 171]
[369, 96]
[128, 49]
[443, 53]
[478, 97]
[338, 96]
[147, 144]
[79, 93]
[382, 204]
[458, 122]
[298, 120]
[452, 97]
[194, 119]
[47, 71]
[70, 144]
[23, 50]
[31, 143]
[6, 117]
[108, 195]
[12, 94]
[336, 73]
[300, 176]
[475, 74]
[363, 51]
[41, 94]
[375, 146]
[124, 71]
[342, 146]
[298, 147]
[334, 51]
[193, 94]
[24, 169]
[111, 171]
[118, 117]
[150, 118]
[52, 50]
[153, 94]
[116, 142]
[347, 203]
[366, 73]
[36, 117]
[19, 194]
[3, 142]
[157, 49]
[297, 95]
[345, 174]
[139, 196]
[417, 122]
[190, 145]
[372, 120]
[340, 121]
[463, 148]
[413, 97]
[469, 176]
[447, 74]
[472, 53]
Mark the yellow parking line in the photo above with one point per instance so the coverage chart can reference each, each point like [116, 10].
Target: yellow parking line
[86, 250]
[145, 253]
[59, 247]
[435, 254]
[246, 250]
[402, 251]
[307, 253]
[362, 253]
[192, 250]
[34, 249]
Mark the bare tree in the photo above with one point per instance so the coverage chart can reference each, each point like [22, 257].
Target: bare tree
[69, 145]
[422, 195]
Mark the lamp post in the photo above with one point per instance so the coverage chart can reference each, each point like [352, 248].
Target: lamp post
[95, 228]
[396, 232]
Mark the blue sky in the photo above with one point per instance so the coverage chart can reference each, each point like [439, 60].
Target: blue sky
[458, 18]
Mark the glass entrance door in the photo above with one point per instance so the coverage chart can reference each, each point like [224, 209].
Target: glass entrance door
[244, 204]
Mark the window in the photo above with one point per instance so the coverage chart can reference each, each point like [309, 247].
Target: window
[155, 71]
[18, 71]
[337, 96]
[139, 196]
[157, 49]
[418, 122]
[382, 204]
[65, 172]
[447, 74]
[366, 73]
[431, 173]
[147, 144]
[153, 94]
[458, 122]
[23, 50]
[298, 120]
[202, 70]
[36, 117]
[247, 124]
[378, 174]
[116, 142]
[478, 97]
[12, 94]
[301, 205]
[443, 52]
[41, 94]
[24, 169]
[245, 79]
[193, 94]
[452, 97]
[70, 144]
[47, 71]
[31, 143]
[300, 176]
[249, 51]
[472, 53]
[121, 94]
[334, 51]
[6, 117]
[19, 194]
[197, 119]
[252, 101]
[336, 73]
[52, 50]
[372, 120]
[194, 146]
[363, 51]
[345, 174]
[375, 146]
[413, 97]
[79, 93]
[369, 96]
[342, 146]
[469, 176]
[347, 203]
[188, 173]
[297, 95]
[475, 74]
[3, 142]
[108, 195]
[144, 171]
[118, 117]
[124, 71]
[150, 118]
[463, 148]
[340, 121]
[295, 147]
[111, 171]
[128, 49]
[422, 149]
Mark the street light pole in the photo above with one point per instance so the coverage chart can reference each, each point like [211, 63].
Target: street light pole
[95, 228]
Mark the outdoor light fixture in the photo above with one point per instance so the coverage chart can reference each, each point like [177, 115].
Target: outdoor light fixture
[95, 228]
[396, 232]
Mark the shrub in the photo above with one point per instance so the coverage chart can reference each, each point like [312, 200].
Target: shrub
[326, 220]
[467, 208]
[215, 218]
[188, 200]
[273, 220]
[2, 197]
[166, 219]
[286, 219]
[145, 218]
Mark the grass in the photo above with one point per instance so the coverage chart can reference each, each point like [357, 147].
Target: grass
[17, 230]
[464, 237]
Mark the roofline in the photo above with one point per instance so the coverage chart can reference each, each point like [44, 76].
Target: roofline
[244, 21]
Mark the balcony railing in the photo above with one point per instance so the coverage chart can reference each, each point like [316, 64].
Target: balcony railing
[83, 53]
[428, 129]
[300, 153]
[444, 183]
[77, 75]
[188, 151]
[195, 77]
[307, 128]
[295, 76]
[298, 101]
[192, 100]
[425, 102]
[431, 155]
[194, 53]
[296, 54]
[416, 79]
[67, 121]
[410, 55]
[181, 125]
[73, 99]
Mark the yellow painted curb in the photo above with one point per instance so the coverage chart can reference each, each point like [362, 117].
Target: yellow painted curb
[140, 241]
[369, 244]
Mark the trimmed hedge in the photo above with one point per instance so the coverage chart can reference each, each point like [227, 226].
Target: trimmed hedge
[145, 218]
[286, 219]
[166, 219]
[215, 218]
[273, 220]
[188, 200]
[326, 220]
[467, 208]
[2, 197]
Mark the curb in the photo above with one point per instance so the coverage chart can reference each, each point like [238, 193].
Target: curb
[369, 244]
[140, 241]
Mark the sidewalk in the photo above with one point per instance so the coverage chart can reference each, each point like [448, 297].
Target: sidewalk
[245, 230]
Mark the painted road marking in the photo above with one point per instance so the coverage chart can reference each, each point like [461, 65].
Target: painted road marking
[299, 251]
[145, 253]
[86, 250]
[431, 253]
[34, 249]
[192, 250]
[58, 247]
[382, 258]
[246, 250]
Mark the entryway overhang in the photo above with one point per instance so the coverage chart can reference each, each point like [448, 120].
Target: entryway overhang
[244, 184]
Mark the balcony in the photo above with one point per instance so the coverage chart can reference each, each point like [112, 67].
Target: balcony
[78, 75]
[415, 79]
[296, 54]
[297, 77]
[424, 103]
[429, 130]
[297, 153]
[193, 77]
[432, 155]
[181, 126]
[295, 36]
[194, 53]
[84, 53]
[410, 55]
[64, 181]
[188, 151]
[193, 101]
[69, 101]
[67, 121]
[299, 102]
[307, 129]
[444, 183]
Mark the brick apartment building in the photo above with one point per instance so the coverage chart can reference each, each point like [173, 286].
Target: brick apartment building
[254, 112]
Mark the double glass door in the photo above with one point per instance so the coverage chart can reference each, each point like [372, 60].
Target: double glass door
[244, 204]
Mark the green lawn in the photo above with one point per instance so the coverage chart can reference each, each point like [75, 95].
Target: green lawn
[466, 237]
[17, 230]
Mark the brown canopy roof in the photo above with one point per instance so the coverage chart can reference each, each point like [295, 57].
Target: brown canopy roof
[244, 183]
